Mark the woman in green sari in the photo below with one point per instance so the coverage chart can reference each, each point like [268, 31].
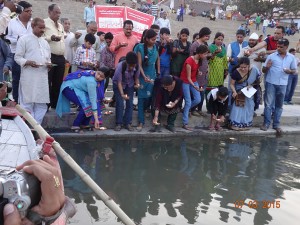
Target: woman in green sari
[218, 64]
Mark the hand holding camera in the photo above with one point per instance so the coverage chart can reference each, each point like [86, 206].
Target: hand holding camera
[52, 197]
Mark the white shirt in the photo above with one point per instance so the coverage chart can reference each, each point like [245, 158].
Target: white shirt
[69, 51]
[78, 42]
[16, 29]
[266, 23]
[161, 22]
[4, 19]
[253, 56]
[229, 50]
[33, 81]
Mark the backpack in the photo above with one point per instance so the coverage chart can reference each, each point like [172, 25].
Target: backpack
[124, 67]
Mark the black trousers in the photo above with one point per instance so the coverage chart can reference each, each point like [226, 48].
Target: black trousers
[55, 78]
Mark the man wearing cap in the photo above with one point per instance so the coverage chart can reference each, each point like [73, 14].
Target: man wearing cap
[125, 79]
[254, 56]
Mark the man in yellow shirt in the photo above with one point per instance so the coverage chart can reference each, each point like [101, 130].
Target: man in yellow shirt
[54, 34]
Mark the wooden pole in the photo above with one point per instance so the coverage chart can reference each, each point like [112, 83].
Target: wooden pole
[77, 169]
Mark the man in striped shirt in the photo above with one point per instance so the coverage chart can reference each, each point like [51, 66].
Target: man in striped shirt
[154, 9]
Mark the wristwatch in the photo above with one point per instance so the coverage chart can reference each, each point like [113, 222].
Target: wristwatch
[37, 219]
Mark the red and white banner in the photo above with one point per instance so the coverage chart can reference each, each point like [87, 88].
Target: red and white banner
[111, 18]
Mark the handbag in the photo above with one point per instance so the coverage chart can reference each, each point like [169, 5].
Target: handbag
[240, 99]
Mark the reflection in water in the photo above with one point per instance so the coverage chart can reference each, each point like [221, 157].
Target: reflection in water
[190, 181]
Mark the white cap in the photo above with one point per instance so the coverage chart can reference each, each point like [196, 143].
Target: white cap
[254, 36]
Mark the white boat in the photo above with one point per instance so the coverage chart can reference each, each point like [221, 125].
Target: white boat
[17, 144]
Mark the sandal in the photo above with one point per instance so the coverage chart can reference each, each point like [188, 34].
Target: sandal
[279, 131]
[75, 129]
[211, 128]
[187, 128]
[102, 128]
[218, 128]
[108, 112]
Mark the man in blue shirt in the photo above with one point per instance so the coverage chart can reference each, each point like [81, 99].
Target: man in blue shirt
[279, 65]
[89, 13]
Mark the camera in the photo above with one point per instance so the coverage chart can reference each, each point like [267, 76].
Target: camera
[19, 188]
[9, 86]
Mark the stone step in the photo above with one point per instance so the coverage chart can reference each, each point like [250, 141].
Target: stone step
[290, 117]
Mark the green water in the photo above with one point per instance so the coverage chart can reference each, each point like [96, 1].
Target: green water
[247, 180]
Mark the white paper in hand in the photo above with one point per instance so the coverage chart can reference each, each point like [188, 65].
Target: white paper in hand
[250, 92]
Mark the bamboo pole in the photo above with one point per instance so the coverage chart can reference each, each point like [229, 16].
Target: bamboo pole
[77, 169]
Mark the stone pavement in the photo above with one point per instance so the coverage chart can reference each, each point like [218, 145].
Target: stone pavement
[290, 123]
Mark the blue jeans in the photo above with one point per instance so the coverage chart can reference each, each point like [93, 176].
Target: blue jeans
[164, 71]
[121, 117]
[290, 88]
[274, 96]
[143, 104]
[81, 119]
[188, 102]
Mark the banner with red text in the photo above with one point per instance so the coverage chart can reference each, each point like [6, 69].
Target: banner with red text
[111, 18]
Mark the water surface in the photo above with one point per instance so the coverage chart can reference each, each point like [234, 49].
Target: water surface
[246, 180]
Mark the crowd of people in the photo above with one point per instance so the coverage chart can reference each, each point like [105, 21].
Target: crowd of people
[161, 71]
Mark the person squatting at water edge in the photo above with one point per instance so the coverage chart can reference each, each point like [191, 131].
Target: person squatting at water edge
[217, 107]
[86, 89]
[54, 207]
[167, 98]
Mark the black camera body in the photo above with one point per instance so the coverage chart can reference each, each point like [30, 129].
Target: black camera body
[21, 189]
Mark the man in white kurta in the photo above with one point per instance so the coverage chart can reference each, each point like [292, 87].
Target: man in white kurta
[33, 54]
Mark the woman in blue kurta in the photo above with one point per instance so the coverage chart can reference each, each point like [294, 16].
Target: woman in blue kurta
[147, 58]
[241, 114]
[85, 89]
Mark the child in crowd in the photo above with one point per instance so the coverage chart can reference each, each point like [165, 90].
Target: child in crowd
[85, 56]
[165, 51]
[125, 79]
[217, 107]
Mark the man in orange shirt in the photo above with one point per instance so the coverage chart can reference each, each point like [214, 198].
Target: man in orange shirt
[123, 42]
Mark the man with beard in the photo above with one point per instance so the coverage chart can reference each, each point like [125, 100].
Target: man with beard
[256, 56]
[256, 60]
[270, 43]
